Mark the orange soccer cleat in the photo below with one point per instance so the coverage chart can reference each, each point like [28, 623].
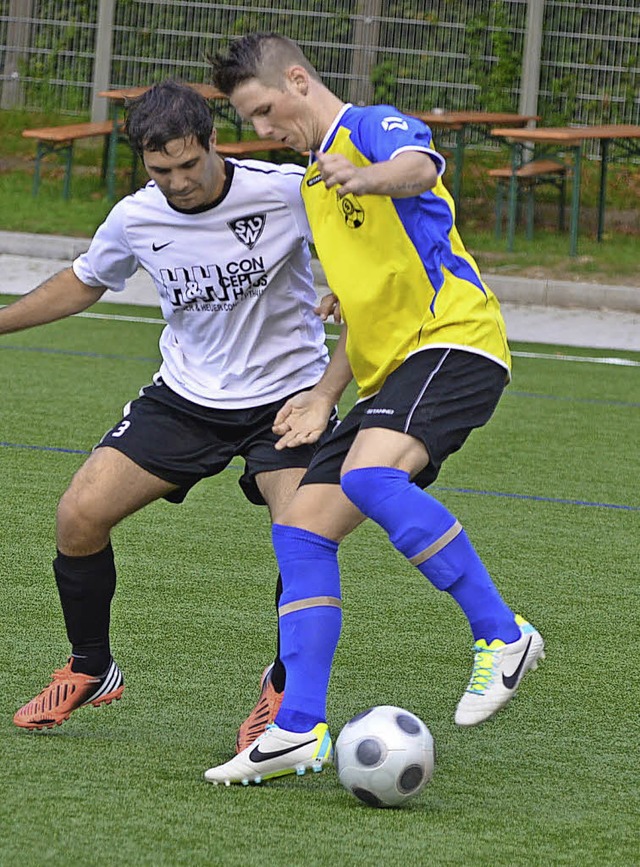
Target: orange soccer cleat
[68, 691]
[263, 714]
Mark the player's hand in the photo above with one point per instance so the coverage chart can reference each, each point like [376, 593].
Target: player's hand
[328, 306]
[337, 170]
[302, 420]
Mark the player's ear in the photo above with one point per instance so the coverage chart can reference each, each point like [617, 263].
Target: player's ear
[298, 77]
[213, 141]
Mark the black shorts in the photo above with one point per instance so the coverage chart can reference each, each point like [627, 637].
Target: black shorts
[183, 442]
[437, 396]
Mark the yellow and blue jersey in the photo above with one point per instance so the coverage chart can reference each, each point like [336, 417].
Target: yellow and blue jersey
[403, 276]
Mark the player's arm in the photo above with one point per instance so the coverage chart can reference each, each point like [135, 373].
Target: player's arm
[60, 296]
[304, 417]
[407, 174]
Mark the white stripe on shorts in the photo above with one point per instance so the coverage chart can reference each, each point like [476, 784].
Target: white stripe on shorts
[424, 388]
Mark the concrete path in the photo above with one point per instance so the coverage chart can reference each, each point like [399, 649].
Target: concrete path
[536, 311]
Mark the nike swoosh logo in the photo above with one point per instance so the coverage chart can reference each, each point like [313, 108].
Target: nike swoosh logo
[156, 247]
[511, 680]
[256, 754]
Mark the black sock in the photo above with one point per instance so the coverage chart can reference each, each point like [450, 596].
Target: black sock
[86, 586]
[278, 672]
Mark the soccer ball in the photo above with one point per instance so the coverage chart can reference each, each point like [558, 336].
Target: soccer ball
[384, 756]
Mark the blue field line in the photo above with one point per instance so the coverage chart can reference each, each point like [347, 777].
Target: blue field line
[44, 448]
[539, 499]
[77, 352]
[113, 357]
[235, 466]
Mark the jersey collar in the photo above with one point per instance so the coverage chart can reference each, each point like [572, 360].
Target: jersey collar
[326, 141]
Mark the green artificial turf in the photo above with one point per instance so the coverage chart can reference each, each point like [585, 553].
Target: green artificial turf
[549, 493]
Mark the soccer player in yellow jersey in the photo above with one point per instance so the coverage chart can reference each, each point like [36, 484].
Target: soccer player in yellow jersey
[426, 343]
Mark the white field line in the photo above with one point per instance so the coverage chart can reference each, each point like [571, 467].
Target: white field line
[612, 360]
[622, 362]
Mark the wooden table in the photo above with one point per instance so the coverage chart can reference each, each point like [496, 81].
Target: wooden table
[251, 147]
[570, 138]
[118, 98]
[209, 92]
[459, 122]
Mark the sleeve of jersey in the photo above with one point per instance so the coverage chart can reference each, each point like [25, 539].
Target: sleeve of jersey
[109, 260]
[383, 133]
[291, 179]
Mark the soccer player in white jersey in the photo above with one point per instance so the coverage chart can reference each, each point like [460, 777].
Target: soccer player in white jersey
[226, 245]
[427, 345]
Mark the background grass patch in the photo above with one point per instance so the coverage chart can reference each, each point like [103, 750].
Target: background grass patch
[552, 780]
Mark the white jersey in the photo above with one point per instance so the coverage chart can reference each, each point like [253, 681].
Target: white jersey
[234, 280]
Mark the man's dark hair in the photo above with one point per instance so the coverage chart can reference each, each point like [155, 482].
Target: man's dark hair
[168, 110]
[265, 56]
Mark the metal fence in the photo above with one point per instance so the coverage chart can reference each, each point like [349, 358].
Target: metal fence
[455, 54]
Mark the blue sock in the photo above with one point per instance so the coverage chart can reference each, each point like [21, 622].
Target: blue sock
[430, 537]
[310, 617]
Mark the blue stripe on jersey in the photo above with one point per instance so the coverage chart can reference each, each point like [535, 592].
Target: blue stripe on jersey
[378, 132]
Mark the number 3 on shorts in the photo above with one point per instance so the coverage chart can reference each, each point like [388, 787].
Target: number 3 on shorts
[121, 429]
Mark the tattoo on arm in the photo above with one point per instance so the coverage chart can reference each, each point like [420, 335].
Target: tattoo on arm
[405, 187]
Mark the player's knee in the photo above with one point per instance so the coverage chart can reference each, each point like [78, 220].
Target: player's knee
[356, 486]
[79, 522]
[369, 488]
[320, 509]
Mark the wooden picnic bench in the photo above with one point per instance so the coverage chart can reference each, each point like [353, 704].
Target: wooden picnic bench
[570, 139]
[528, 176]
[60, 140]
[250, 147]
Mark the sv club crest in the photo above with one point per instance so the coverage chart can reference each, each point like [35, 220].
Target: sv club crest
[248, 229]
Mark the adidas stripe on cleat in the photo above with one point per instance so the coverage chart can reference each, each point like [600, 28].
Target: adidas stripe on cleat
[498, 669]
[68, 691]
[262, 715]
[275, 753]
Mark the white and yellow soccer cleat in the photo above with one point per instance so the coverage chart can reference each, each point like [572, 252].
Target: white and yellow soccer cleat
[275, 753]
[498, 669]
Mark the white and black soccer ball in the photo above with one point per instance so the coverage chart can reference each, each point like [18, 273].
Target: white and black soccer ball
[384, 756]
